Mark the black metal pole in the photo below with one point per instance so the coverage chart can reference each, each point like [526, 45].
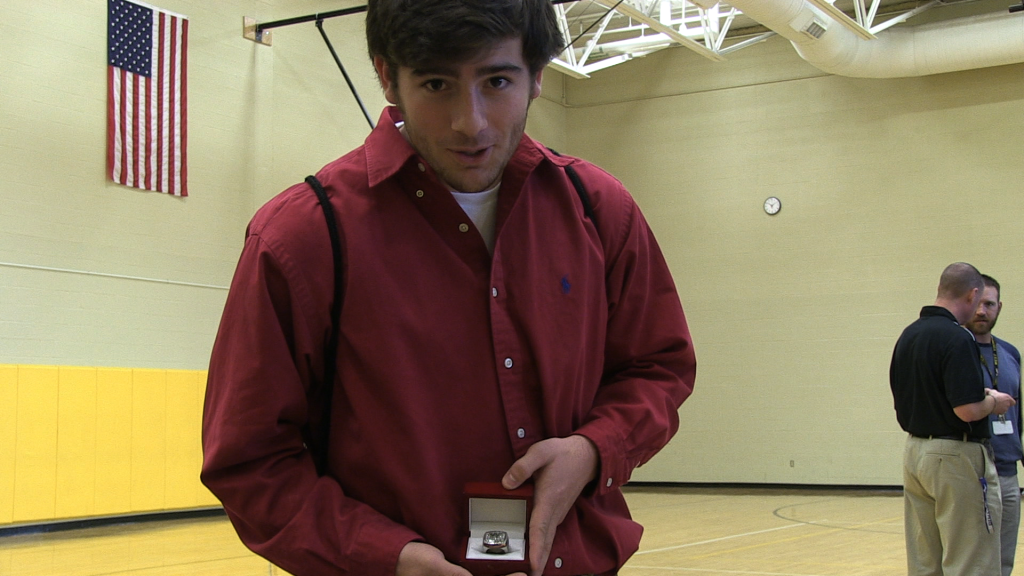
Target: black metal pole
[320, 27]
[310, 18]
[332, 14]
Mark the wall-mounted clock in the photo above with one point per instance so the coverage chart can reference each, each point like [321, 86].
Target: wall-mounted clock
[772, 206]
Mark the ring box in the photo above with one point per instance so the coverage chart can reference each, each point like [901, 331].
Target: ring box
[489, 506]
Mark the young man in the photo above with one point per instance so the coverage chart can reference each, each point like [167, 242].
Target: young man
[491, 330]
[950, 486]
[1000, 361]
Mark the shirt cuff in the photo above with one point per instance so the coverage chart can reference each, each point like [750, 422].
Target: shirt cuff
[614, 469]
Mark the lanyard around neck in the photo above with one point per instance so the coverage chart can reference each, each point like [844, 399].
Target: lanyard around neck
[994, 372]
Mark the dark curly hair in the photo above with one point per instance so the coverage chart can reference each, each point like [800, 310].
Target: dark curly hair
[419, 33]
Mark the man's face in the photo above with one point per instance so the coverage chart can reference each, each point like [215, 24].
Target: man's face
[987, 312]
[466, 119]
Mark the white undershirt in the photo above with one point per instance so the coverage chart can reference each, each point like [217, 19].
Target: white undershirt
[481, 207]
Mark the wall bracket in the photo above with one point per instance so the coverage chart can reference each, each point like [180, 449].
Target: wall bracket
[250, 32]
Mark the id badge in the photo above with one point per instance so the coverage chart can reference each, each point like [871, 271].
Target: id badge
[1002, 427]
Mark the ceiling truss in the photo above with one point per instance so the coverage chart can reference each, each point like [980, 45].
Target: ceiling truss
[605, 33]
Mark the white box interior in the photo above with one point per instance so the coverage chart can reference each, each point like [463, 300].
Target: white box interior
[507, 514]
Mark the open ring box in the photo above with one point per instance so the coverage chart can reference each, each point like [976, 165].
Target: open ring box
[491, 507]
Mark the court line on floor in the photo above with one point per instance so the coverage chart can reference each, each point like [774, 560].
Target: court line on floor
[713, 540]
[778, 514]
[791, 539]
[719, 571]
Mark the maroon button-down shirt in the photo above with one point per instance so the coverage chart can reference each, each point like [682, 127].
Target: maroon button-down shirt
[452, 362]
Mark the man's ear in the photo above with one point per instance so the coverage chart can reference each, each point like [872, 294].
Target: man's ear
[384, 75]
[535, 88]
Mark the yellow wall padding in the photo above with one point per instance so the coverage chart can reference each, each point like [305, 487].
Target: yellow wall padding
[8, 437]
[80, 442]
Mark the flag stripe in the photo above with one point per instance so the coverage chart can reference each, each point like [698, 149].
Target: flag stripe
[182, 56]
[136, 112]
[123, 173]
[170, 105]
[146, 97]
[161, 169]
[110, 116]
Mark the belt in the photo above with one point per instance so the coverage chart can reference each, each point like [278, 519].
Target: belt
[958, 437]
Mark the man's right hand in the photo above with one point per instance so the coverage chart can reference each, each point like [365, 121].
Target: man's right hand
[419, 559]
[1003, 401]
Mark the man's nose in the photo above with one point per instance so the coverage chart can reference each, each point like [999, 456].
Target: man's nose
[469, 116]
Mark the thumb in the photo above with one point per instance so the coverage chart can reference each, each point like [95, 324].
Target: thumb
[522, 469]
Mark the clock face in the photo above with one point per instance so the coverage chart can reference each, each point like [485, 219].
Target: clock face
[772, 205]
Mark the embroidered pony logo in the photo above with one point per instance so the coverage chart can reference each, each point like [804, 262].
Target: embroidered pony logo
[566, 286]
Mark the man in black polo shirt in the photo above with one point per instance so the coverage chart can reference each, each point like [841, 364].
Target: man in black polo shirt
[950, 486]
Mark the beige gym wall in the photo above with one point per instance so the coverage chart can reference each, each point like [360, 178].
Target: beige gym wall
[140, 277]
[882, 182]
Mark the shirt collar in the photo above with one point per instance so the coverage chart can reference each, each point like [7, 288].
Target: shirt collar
[387, 151]
[937, 311]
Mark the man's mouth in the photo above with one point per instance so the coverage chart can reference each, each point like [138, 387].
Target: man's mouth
[471, 155]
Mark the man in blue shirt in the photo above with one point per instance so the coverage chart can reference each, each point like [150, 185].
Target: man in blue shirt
[1001, 366]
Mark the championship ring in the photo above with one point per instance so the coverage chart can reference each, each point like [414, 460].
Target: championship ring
[496, 542]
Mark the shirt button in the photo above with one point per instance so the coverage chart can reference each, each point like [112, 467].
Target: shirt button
[521, 433]
[508, 362]
[558, 562]
[463, 227]
[421, 167]
[419, 193]
[608, 483]
[494, 292]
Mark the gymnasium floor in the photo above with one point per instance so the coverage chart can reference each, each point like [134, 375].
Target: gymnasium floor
[689, 532]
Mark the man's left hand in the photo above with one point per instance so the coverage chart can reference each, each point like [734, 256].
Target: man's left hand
[560, 468]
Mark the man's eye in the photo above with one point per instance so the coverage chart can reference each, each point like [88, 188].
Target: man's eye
[434, 85]
[499, 82]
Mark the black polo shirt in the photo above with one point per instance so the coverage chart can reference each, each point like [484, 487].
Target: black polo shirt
[935, 367]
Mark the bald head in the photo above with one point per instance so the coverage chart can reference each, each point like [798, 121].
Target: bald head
[959, 279]
[958, 291]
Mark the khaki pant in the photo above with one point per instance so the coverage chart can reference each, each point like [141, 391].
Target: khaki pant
[1011, 520]
[951, 522]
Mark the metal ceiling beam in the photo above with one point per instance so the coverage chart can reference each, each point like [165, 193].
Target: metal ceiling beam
[905, 16]
[563, 67]
[841, 17]
[872, 13]
[597, 36]
[627, 9]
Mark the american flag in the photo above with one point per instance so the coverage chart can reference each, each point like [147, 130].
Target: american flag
[146, 97]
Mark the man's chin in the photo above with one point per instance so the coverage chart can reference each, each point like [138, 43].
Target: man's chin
[466, 181]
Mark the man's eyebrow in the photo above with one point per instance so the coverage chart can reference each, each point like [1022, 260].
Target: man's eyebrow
[499, 68]
[433, 71]
[444, 70]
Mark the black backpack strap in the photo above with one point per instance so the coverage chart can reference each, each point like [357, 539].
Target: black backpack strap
[581, 191]
[318, 441]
